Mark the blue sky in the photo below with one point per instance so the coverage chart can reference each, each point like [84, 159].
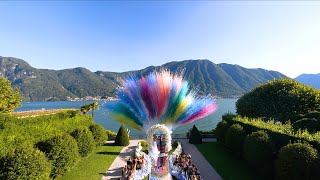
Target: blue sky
[121, 36]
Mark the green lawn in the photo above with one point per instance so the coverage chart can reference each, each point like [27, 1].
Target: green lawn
[95, 165]
[225, 163]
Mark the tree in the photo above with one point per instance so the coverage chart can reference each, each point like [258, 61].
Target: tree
[195, 136]
[85, 109]
[281, 100]
[122, 138]
[10, 98]
[94, 106]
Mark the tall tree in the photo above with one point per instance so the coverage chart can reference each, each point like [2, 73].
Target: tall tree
[85, 109]
[94, 106]
[10, 98]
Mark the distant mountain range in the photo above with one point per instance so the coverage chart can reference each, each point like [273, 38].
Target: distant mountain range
[309, 79]
[222, 80]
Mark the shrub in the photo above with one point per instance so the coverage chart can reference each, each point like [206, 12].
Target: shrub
[228, 117]
[195, 136]
[175, 144]
[99, 134]
[221, 130]
[281, 100]
[296, 161]
[143, 144]
[84, 139]
[25, 163]
[62, 152]
[111, 135]
[235, 137]
[310, 124]
[258, 151]
[122, 138]
[313, 114]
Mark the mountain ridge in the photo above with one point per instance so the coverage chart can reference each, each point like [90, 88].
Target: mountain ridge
[222, 80]
[309, 79]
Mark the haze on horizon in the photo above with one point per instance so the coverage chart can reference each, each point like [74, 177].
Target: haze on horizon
[122, 36]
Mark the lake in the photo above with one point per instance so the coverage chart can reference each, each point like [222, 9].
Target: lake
[102, 117]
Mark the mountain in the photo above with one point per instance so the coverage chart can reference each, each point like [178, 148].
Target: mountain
[222, 80]
[309, 79]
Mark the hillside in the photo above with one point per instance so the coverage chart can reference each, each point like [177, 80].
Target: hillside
[309, 79]
[222, 80]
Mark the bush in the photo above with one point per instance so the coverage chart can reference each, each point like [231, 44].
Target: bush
[296, 161]
[195, 136]
[221, 130]
[85, 141]
[99, 134]
[122, 138]
[310, 124]
[175, 144]
[62, 152]
[258, 151]
[144, 144]
[235, 137]
[281, 100]
[25, 163]
[228, 117]
[313, 114]
[111, 135]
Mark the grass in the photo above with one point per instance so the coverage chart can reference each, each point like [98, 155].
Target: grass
[225, 163]
[95, 165]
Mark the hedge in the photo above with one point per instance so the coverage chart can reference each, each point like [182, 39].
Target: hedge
[99, 134]
[281, 134]
[258, 151]
[62, 152]
[310, 124]
[297, 161]
[85, 141]
[221, 130]
[25, 163]
[235, 137]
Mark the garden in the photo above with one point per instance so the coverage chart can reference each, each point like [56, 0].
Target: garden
[274, 135]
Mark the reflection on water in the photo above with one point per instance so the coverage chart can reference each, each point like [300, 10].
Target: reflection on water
[102, 116]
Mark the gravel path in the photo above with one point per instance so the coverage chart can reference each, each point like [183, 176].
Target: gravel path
[206, 170]
[114, 171]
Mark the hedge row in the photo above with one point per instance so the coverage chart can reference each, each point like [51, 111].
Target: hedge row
[45, 147]
[267, 147]
[281, 134]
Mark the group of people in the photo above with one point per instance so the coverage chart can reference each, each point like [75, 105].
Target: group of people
[185, 166]
[133, 164]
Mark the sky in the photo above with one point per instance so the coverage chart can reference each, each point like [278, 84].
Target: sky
[127, 35]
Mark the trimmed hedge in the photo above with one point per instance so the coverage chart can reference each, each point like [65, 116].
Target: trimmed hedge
[122, 138]
[235, 137]
[296, 161]
[85, 141]
[25, 163]
[310, 124]
[62, 152]
[221, 130]
[281, 134]
[99, 134]
[195, 136]
[258, 151]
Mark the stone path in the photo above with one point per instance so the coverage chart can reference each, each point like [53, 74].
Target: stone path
[206, 170]
[114, 171]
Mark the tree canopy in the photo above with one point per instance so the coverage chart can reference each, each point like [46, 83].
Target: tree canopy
[281, 100]
[10, 98]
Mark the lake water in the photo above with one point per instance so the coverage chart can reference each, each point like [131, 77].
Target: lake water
[102, 117]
